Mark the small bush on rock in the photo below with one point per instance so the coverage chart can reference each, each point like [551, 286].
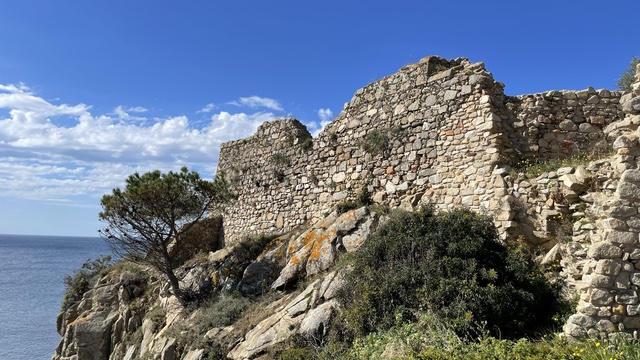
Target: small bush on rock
[83, 279]
[362, 199]
[452, 265]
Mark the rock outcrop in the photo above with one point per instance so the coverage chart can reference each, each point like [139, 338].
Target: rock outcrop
[128, 314]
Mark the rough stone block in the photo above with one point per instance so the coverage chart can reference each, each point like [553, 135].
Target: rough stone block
[631, 322]
[587, 128]
[632, 175]
[622, 280]
[633, 310]
[606, 326]
[582, 320]
[608, 267]
[622, 237]
[587, 309]
[623, 211]
[601, 281]
[575, 330]
[604, 250]
[628, 297]
[601, 297]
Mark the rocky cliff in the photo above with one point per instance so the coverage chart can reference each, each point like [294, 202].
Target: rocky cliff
[438, 132]
[130, 314]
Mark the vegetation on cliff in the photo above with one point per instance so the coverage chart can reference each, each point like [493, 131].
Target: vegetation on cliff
[628, 76]
[452, 265]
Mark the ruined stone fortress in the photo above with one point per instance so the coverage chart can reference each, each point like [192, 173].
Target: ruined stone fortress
[443, 132]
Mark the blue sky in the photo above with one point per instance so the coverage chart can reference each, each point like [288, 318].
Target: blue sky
[91, 91]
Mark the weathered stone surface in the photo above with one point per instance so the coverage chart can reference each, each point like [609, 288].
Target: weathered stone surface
[315, 324]
[567, 125]
[631, 175]
[608, 267]
[575, 330]
[263, 271]
[604, 250]
[315, 250]
[331, 284]
[631, 322]
[601, 281]
[632, 106]
[572, 182]
[623, 211]
[627, 297]
[601, 297]
[622, 237]
[197, 354]
[554, 255]
[288, 320]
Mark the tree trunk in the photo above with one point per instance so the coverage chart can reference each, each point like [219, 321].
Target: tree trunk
[175, 285]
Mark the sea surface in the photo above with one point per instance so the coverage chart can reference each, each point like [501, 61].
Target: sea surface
[32, 269]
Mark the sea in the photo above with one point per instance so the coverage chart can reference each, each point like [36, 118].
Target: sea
[32, 269]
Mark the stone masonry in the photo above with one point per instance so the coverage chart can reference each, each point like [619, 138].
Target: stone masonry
[443, 132]
[609, 301]
[427, 133]
[438, 131]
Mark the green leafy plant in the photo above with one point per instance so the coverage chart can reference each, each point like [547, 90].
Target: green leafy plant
[628, 76]
[375, 142]
[451, 264]
[83, 279]
[307, 144]
[280, 159]
[362, 199]
[220, 313]
[533, 168]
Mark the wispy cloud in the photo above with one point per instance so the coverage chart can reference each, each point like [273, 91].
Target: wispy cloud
[123, 112]
[257, 102]
[207, 108]
[58, 151]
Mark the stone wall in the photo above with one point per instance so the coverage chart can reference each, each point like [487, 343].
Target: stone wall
[560, 124]
[609, 300]
[410, 138]
[429, 133]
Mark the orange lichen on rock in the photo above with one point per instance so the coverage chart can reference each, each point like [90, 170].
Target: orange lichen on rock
[78, 321]
[319, 246]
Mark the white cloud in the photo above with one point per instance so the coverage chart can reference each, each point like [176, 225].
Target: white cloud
[257, 101]
[207, 108]
[325, 114]
[123, 113]
[20, 98]
[58, 152]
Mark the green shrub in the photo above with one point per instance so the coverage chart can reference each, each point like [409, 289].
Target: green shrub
[363, 199]
[307, 144]
[297, 353]
[451, 264]
[222, 312]
[250, 247]
[157, 317]
[375, 142]
[628, 76]
[83, 279]
[533, 168]
[280, 159]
